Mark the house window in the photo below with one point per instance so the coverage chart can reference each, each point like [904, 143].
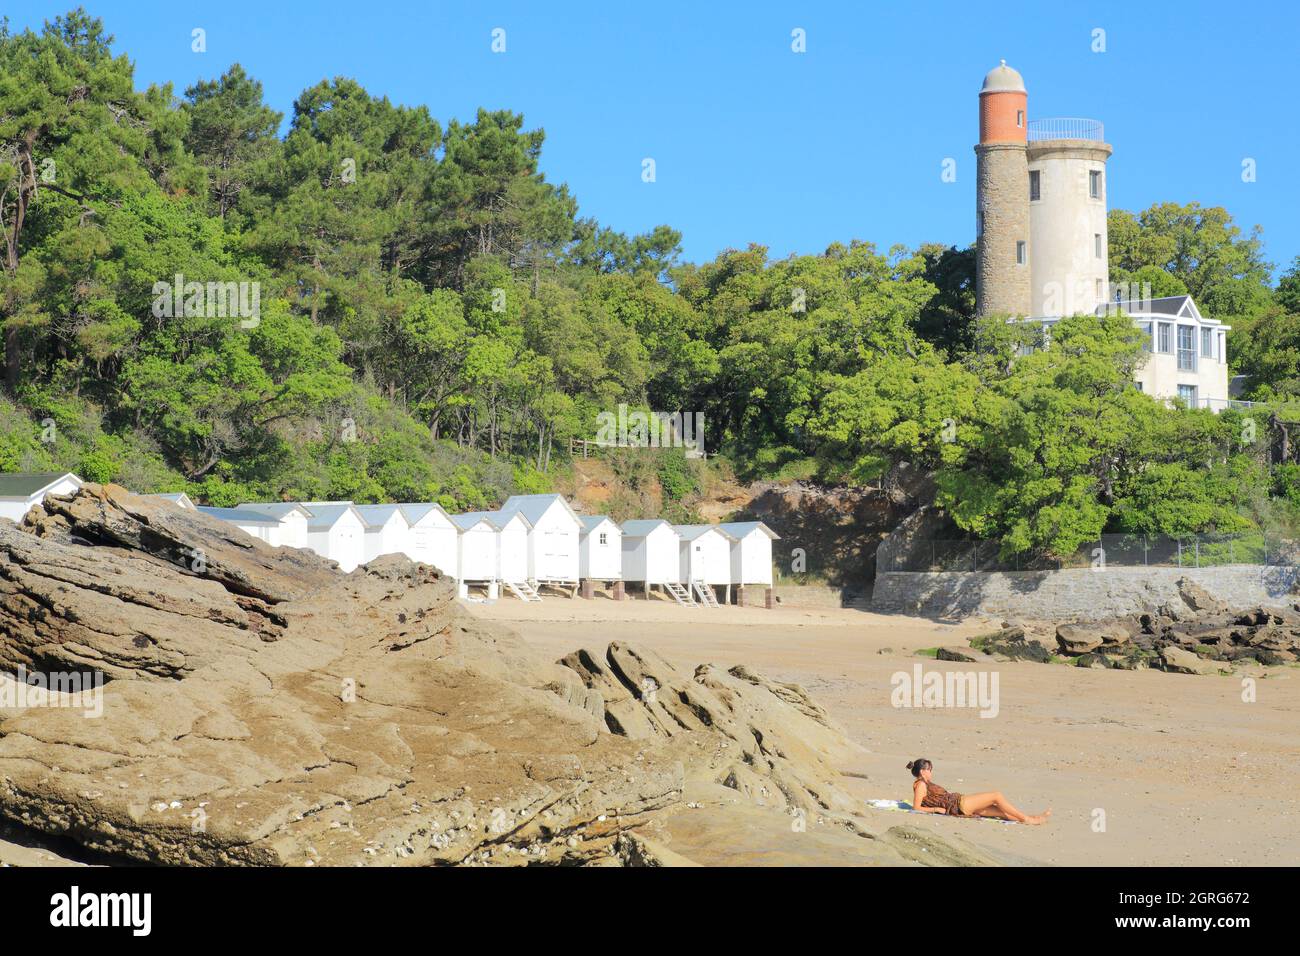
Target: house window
[1096, 245]
[1020, 252]
[1139, 386]
[1020, 118]
[1094, 183]
[1207, 343]
[1035, 185]
[1188, 394]
[1186, 348]
[1146, 336]
[1164, 341]
[604, 539]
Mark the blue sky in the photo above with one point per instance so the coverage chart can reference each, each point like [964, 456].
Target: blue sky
[755, 143]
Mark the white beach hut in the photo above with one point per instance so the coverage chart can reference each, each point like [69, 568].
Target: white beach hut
[554, 540]
[20, 491]
[751, 554]
[513, 532]
[263, 527]
[651, 555]
[705, 560]
[600, 550]
[292, 518]
[387, 530]
[433, 536]
[478, 552]
[336, 530]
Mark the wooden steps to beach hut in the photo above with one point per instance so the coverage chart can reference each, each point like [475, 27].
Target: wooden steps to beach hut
[680, 594]
[705, 594]
[523, 590]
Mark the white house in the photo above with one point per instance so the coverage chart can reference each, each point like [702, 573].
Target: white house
[478, 550]
[179, 498]
[554, 539]
[19, 492]
[705, 558]
[600, 550]
[292, 519]
[1187, 353]
[335, 530]
[387, 530]
[433, 536]
[651, 555]
[263, 527]
[751, 554]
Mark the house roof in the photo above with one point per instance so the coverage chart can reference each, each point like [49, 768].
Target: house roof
[237, 515]
[1165, 305]
[640, 527]
[276, 509]
[416, 511]
[534, 506]
[738, 529]
[690, 532]
[592, 522]
[376, 516]
[26, 484]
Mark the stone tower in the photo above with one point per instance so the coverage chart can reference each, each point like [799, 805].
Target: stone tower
[1002, 270]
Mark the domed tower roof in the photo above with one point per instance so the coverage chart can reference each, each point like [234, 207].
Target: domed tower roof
[1002, 79]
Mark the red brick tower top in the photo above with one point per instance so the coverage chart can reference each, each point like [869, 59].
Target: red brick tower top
[1003, 107]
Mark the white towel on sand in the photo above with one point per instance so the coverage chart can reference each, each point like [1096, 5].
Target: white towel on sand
[899, 805]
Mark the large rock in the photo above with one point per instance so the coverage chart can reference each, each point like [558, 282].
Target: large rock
[1181, 661]
[263, 708]
[1092, 635]
[1198, 599]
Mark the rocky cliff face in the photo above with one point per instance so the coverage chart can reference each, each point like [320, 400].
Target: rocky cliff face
[262, 708]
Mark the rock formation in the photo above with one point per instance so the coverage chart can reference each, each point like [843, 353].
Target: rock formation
[1198, 634]
[262, 708]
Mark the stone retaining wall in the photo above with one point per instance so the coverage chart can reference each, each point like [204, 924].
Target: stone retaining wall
[1079, 593]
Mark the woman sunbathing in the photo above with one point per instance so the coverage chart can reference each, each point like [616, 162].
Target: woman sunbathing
[929, 797]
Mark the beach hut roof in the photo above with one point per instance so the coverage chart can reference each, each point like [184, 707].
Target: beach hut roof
[276, 509]
[592, 522]
[496, 519]
[24, 485]
[174, 497]
[534, 506]
[238, 515]
[415, 511]
[640, 527]
[738, 529]
[323, 515]
[376, 516]
[690, 532]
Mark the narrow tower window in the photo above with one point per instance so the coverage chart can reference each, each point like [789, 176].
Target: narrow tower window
[1020, 118]
[1096, 244]
[979, 223]
[1035, 185]
[1094, 183]
[1020, 252]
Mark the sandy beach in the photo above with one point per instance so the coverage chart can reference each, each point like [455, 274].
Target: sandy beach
[1140, 767]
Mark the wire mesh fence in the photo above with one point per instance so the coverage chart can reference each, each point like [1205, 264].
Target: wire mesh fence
[1115, 550]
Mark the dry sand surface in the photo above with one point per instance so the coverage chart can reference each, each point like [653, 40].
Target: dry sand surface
[1180, 768]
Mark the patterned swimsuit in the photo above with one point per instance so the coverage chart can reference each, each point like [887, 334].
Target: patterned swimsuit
[936, 796]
